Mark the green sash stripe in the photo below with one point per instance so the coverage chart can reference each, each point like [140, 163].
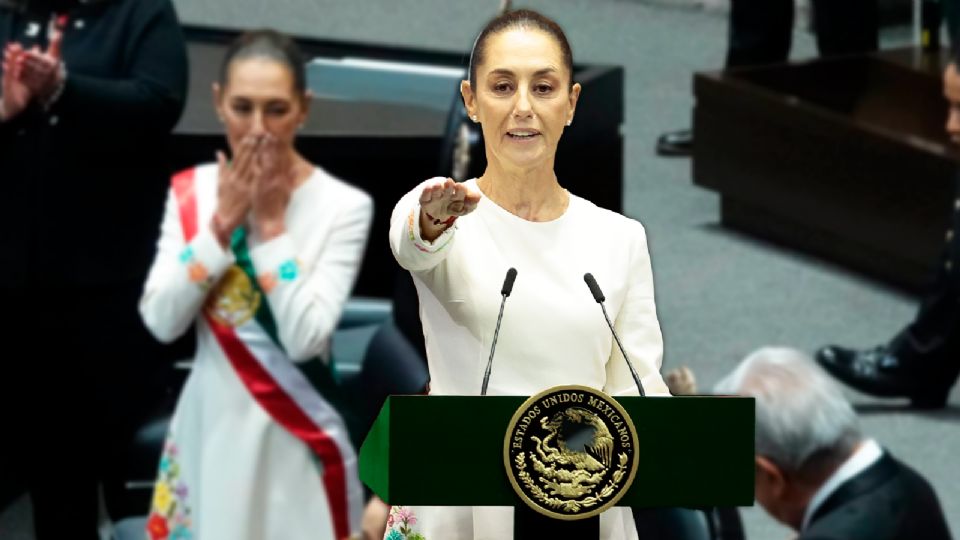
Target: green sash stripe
[323, 377]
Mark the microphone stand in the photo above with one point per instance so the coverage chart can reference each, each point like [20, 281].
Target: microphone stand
[598, 296]
[504, 292]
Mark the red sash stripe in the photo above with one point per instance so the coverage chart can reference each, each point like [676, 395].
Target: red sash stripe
[183, 189]
[288, 414]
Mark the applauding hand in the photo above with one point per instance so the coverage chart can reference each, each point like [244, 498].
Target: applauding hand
[440, 202]
[42, 71]
[275, 178]
[234, 189]
[16, 95]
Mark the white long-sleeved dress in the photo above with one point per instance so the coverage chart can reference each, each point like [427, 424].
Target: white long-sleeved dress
[230, 468]
[553, 332]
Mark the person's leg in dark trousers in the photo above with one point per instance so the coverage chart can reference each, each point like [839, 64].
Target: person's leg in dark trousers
[99, 383]
[846, 26]
[936, 328]
[14, 373]
[761, 32]
[63, 485]
[63, 432]
[923, 361]
[929, 348]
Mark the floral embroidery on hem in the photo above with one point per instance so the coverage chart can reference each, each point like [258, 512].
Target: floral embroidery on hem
[400, 524]
[169, 513]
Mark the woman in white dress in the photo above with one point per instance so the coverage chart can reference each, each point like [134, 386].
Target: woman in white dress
[259, 254]
[459, 239]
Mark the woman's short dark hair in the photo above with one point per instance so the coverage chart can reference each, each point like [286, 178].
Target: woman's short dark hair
[270, 44]
[520, 19]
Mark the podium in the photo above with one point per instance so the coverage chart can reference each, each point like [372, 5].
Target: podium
[694, 451]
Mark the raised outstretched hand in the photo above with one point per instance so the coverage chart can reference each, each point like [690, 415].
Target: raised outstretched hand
[441, 201]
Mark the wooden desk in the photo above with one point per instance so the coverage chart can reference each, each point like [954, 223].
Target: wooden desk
[845, 158]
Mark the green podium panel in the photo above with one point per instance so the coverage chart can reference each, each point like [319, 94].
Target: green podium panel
[694, 451]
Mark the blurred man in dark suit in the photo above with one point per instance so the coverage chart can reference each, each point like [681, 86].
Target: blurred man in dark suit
[761, 32]
[815, 471]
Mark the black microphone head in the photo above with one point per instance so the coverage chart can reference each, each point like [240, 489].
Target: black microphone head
[508, 282]
[594, 288]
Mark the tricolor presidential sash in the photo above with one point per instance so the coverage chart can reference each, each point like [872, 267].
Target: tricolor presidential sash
[237, 312]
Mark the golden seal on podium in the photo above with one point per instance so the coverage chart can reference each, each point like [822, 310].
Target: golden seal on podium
[570, 452]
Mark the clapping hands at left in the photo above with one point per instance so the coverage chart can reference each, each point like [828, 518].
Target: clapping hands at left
[31, 75]
[275, 176]
[16, 95]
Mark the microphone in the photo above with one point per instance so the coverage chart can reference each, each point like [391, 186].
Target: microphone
[598, 296]
[508, 282]
[504, 292]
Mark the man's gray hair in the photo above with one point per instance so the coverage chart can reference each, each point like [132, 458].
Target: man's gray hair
[802, 415]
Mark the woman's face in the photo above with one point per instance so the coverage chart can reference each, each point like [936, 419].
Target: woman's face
[260, 98]
[523, 98]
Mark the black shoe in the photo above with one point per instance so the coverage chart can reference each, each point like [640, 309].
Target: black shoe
[675, 143]
[880, 372]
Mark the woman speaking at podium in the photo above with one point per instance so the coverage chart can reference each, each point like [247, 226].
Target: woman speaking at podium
[459, 239]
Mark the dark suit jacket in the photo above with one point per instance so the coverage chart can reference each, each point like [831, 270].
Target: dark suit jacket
[887, 501]
[84, 182]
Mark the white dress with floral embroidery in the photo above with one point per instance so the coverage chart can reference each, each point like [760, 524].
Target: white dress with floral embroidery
[229, 470]
[553, 332]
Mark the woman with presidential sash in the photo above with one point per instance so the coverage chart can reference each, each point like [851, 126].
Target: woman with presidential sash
[260, 252]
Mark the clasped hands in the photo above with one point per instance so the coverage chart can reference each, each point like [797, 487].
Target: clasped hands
[257, 183]
[30, 75]
[442, 200]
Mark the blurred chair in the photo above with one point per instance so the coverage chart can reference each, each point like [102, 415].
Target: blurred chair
[688, 523]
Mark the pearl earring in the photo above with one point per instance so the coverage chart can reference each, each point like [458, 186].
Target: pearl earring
[569, 122]
[474, 118]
